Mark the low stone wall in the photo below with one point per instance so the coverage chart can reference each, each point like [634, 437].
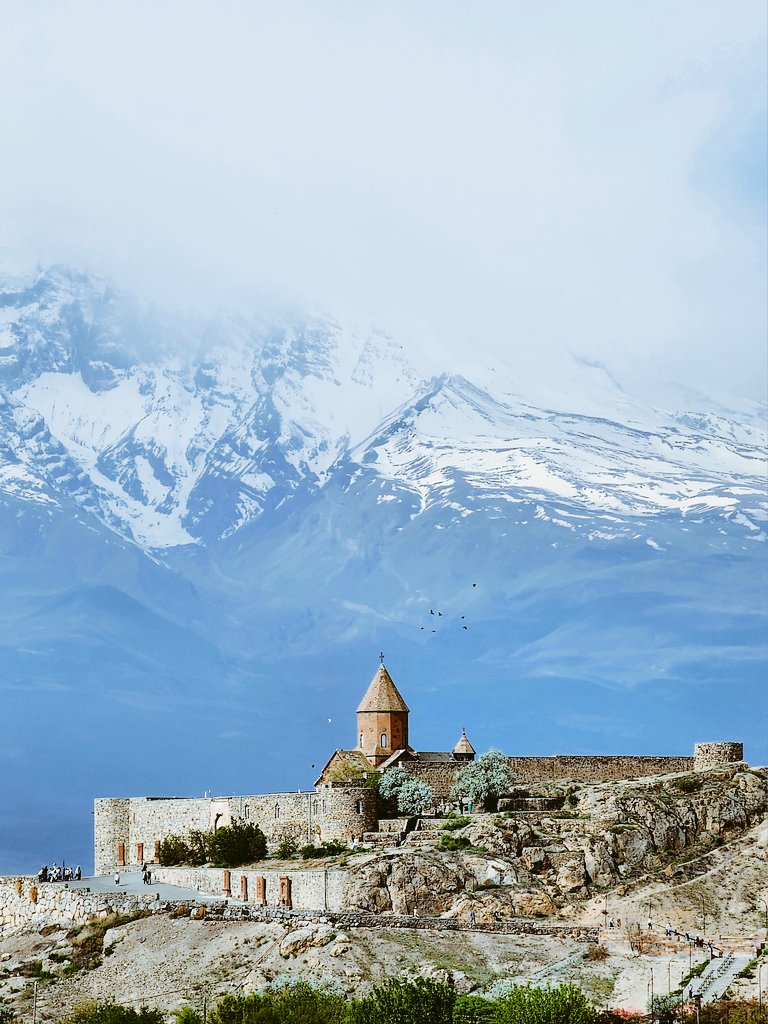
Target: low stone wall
[312, 889]
[27, 905]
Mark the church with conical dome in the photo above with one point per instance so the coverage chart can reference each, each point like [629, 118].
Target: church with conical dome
[382, 738]
[343, 805]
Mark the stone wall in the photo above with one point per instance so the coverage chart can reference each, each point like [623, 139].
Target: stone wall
[530, 770]
[312, 889]
[126, 831]
[26, 904]
[715, 755]
[595, 769]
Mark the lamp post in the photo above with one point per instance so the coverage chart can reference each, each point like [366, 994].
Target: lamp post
[703, 916]
[605, 915]
[760, 987]
[650, 1000]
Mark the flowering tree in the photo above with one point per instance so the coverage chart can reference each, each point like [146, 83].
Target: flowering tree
[485, 780]
[411, 795]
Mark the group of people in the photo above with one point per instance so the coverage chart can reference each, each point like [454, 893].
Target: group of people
[695, 940]
[59, 873]
[146, 875]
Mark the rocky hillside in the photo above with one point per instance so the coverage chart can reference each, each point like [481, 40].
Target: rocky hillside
[679, 848]
[611, 837]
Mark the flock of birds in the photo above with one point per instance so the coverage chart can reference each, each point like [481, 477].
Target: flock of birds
[449, 619]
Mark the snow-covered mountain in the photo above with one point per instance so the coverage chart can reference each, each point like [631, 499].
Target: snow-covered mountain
[209, 530]
[182, 437]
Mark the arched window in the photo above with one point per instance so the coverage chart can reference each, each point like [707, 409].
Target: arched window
[361, 741]
[247, 812]
[384, 740]
[277, 810]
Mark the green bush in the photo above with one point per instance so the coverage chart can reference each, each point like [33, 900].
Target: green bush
[688, 785]
[286, 848]
[406, 1002]
[173, 850]
[526, 1004]
[297, 1004]
[454, 823]
[331, 849]
[233, 845]
[474, 1010]
[454, 843]
[112, 1013]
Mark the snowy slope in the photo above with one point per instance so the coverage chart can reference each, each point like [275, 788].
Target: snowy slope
[185, 438]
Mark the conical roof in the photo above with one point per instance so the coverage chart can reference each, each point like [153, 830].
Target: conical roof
[382, 694]
[463, 746]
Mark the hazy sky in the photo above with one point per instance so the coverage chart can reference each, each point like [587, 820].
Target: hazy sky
[505, 176]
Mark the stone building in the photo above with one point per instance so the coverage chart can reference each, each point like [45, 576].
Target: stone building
[342, 805]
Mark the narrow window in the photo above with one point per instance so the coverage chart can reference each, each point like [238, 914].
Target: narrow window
[277, 810]
[247, 812]
[361, 741]
[359, 807]
[324, 806]
[314, 807]
[384, 740]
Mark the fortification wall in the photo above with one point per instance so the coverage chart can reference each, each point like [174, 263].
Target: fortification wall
[595, 769]
[529, 770]
[127, 831]
[311, 888]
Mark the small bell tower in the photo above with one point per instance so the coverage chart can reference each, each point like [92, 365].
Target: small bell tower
[382, 719]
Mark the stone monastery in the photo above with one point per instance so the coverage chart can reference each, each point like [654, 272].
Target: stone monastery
[128, 831]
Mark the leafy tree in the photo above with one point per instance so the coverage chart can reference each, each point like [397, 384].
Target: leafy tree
[173, 850]
[526, 1004]
[665, 1008]
[242, 842]
[405, 1002]
[7, 1014]
[296, 1004]
[187, 1015]
[474, 1010]
[198, 846]
[112, 1013]
[414, 796]
[392, 781]
[485, 780]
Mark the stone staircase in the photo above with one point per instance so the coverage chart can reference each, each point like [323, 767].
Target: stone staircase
[718, 975]
[423, 834]
[382, 840]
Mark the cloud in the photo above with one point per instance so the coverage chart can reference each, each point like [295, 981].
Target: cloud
[504, 177]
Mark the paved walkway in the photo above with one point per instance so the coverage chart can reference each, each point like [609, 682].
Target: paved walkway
[131, 883]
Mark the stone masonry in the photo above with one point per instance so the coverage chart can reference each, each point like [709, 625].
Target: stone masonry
[128, 831]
